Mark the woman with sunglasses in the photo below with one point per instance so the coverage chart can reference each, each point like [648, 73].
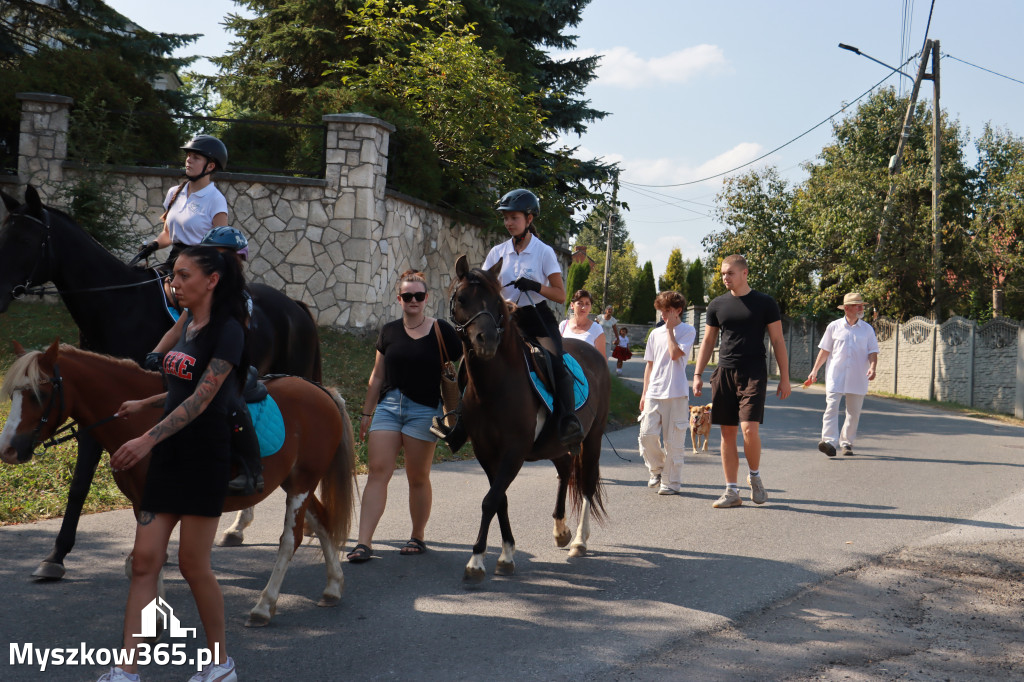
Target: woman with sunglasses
[403, 397]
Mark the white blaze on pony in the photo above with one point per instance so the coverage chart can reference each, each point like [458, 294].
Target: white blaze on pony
[7, 452]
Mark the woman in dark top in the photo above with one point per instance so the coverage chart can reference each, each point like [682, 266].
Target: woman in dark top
[404, 395]
[188, 471]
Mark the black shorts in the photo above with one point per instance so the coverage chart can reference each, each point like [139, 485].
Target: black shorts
[737, 395]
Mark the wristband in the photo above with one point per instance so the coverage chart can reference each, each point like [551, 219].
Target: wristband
[368, 415]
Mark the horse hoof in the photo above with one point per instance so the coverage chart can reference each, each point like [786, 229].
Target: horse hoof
[505, 568]
[257, 620]
[49, 570]
[328, 600]
[563, 539]
[231, 540]
[578, 551]
[474, 575]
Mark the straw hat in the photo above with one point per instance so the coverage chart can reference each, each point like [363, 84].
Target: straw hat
[853, 298]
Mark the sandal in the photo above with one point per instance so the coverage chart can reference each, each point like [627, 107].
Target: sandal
[360, 554]
[413, 547]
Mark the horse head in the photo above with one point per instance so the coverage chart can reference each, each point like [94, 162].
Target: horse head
[37, 402]
[24, 238]
[477, 309]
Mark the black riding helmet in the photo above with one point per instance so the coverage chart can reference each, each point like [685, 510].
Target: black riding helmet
[210, 147]
[522, 200]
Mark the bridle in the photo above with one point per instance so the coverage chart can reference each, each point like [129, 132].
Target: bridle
[461, 328]
[19, 291]
[69, 431]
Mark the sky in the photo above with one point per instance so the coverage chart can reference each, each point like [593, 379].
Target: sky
[694, 88]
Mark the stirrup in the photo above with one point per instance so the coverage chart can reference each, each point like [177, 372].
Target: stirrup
[570, 431]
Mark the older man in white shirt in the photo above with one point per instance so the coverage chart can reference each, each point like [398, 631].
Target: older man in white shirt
[851, 349]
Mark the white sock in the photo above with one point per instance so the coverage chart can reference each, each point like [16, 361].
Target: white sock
[732, 486]
[755, 472]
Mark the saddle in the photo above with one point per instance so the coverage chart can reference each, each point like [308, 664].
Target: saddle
[540, 363]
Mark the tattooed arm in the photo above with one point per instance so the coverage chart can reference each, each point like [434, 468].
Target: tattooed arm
[131, 452]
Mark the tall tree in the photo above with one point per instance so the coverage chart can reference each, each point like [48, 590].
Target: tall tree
[674, 278]
[695, 285]
[593, 231]
[576, 279]
[841, 205]
[621, 281]
[644, 293]
[757, 208]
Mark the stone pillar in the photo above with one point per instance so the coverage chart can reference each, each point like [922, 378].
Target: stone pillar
[43, 143]
[357, 166]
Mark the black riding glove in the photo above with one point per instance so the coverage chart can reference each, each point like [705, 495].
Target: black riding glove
[145, 252]
[527, 284]
[153, 362]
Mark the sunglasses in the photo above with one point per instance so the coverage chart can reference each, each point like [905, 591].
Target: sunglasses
[418, 295]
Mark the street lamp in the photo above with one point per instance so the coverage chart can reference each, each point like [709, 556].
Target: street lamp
[854, 50]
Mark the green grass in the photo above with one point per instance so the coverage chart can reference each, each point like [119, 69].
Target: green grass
[38, 489]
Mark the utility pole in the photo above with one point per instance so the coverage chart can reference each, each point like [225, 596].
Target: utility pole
[936, 190]
[608, 248]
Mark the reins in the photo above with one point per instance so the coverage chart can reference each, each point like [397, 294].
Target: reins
[19, 291]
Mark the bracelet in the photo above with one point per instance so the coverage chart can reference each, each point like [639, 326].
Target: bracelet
[368, 415]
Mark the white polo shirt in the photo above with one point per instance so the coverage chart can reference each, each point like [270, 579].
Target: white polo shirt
[191, 216]
[589, 336]
[668, 376]
[537, 262]
[848, 346]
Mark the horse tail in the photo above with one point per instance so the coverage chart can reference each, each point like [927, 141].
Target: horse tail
[317, 372]
[586, 476]
[338, 486]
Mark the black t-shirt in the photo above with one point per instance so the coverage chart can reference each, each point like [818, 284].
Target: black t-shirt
[742, 321]
[185, 363]
[413, 366]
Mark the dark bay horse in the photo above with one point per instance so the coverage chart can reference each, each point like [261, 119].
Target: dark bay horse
[507, 422]
[119, 311]
[46, 388]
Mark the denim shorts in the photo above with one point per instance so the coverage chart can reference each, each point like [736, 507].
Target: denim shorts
[398, 413]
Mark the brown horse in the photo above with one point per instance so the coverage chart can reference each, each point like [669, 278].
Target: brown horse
[46, 388]
[508, 424]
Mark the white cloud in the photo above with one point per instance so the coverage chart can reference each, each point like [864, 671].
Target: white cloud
[622, 67]
[667, 171]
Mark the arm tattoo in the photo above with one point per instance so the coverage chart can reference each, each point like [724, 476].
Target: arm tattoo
[146, 518]
[209, 383]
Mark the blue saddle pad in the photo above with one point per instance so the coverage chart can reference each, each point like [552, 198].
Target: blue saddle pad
[171, 310]
[269, 425]
[581, 387]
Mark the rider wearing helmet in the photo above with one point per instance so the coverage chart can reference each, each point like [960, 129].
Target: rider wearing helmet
[244, 446]
[531, 276]
[196, 205]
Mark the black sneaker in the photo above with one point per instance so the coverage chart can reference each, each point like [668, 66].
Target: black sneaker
[827, 448]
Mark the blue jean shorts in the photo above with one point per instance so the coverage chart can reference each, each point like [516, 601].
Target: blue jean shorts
[398, 413]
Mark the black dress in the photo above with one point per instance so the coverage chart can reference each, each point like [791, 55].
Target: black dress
[188, 472]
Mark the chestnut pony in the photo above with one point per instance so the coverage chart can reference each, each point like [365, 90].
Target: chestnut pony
[507, 423]
[46, 388]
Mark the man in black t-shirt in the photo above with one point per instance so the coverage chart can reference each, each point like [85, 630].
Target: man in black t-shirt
[739, 383]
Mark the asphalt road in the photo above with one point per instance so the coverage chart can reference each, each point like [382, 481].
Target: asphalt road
[661, 571]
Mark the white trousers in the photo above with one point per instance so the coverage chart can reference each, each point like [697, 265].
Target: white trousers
[830, 420]
[668, 418]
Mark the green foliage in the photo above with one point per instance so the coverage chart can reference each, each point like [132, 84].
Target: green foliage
[757, 207]
[642, 306]
[477, 100]
[674, 278]
[621, 281]
[469, 106]
[593, 231]
[695, 285]
[575, 279]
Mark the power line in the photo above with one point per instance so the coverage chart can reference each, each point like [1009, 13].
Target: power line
[995, 73]
[781, 146]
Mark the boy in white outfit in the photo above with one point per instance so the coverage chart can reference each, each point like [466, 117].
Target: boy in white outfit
[664, 403]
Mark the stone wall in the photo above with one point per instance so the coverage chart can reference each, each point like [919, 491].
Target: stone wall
[336, 243]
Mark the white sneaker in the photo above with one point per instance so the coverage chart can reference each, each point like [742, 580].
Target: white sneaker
[668, 489]
[222, 672]
[654, 481]
[758, 495]
[118, 675]
[618, 372]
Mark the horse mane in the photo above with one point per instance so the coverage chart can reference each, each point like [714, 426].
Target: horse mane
[25, 372]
